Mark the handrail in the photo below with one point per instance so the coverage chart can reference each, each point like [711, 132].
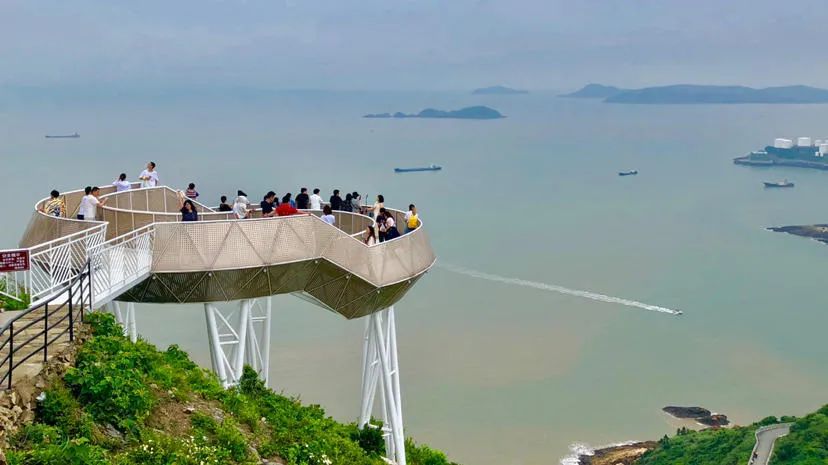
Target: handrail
[76, 301]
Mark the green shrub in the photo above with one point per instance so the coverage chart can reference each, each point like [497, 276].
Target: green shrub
[160, 449]
[103, 324]
[74, 452]
[36, 434]
[58, 408]
[369, 438]
[424, 455]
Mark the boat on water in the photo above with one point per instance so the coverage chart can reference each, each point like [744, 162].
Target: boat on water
[628, 173]
[784, 183]
[431, 167]
[63, 136]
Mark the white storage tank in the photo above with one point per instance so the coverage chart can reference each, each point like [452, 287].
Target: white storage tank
[803, 142]
[823, 149]
[783, 143]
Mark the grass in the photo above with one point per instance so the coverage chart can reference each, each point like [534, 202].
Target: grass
[129, 403]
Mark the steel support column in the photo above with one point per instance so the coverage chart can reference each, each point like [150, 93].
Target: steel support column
[380, 368]
[243, 340]
[125, 316]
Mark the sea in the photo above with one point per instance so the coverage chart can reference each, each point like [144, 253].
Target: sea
[500, 364]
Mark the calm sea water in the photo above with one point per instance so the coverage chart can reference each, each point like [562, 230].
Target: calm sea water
[496, 373]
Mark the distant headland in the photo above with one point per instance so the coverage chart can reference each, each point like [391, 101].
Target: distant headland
[477, 112]
[498, 90]
[699, 94]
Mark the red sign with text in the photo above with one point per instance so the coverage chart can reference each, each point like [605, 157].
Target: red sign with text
[14, 260]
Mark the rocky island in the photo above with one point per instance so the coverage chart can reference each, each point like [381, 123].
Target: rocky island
[476, 112]
[498, 90]
[701, 415]
[692, 93]
[818, 232]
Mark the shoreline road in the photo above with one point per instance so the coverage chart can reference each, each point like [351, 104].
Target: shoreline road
[766, 436]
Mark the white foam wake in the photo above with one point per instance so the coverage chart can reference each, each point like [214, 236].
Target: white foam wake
[557, 289]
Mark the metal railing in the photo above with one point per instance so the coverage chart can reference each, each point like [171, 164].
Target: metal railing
[31, 332]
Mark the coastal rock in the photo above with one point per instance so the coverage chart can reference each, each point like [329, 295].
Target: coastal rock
[687, 412]
[817, 232]
[626, 454]
[716, 420]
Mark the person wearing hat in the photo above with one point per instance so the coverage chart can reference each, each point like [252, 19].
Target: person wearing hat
[241, 205]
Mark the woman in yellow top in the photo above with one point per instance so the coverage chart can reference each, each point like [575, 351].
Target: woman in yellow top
[412, 221]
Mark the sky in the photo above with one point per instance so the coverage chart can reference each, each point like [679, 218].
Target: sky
[411, 44]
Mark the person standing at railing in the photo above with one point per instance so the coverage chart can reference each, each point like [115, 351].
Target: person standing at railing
[287, 200]
[347, 204]
[269, 205]
[54, 206]
[188, 209]
[356, 202]
[224, 206]
[285, 208]
[149, 177]
[302, 200]
[382, 227]
[412, 220]
[191, 191]
[89, 204]
[241, 205]
[327, 215]
[316, 200]
[391, 231]
[370, 237]
[378, 205]
[336, 200]
[121, 184]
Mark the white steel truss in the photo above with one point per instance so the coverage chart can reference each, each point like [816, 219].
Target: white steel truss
[381, 369]
[239, 337]
[125, 315]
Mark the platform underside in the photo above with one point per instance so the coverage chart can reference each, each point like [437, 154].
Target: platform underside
[320, 281]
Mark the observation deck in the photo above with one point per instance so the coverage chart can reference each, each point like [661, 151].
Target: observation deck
[141, 251]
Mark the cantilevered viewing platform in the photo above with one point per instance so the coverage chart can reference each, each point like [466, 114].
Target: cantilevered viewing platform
[140, 251]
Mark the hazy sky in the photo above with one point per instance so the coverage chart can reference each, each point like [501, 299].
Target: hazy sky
[412, 44]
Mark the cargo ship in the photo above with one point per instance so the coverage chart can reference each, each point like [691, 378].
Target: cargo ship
[804, 153]
[63, 136]
[419, 168]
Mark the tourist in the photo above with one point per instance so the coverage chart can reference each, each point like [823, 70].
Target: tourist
[327, 215]
[89, 204]
[287, 199]
[347, 205]
[336, 200]
[54, 206]
[382, 228]
[268, 205]
[286, 208]
[302, 200]
[355, 202]
[121, 184]
[391, 231]
[412, 221]
[188, 209]
[316, 200]
[241, 205]
[224, 206]
[370, 237]
[149, 177]
[378, 205]
[191, 192]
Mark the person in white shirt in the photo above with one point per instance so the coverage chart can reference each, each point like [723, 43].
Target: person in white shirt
[122, 184]
[378, 205]
[240, 205]
[89, 204]
[315, 200]
[328, 216]
[149, 177]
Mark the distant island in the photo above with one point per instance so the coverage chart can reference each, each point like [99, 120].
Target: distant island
[817, 232]
[498, 90]
[599, 91]
[477, 112]
[691, 93]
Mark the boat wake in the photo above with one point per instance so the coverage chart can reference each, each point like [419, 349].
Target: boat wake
[557, 289]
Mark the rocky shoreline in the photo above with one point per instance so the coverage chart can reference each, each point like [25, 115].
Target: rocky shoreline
[624, 454]
[817, 232]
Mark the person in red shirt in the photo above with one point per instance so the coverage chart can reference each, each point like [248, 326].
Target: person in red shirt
[286, 209]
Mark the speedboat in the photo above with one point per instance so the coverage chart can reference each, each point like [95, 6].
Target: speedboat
[628, 173]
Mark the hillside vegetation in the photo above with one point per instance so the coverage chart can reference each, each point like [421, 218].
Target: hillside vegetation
[807, 444]
[125, 404]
